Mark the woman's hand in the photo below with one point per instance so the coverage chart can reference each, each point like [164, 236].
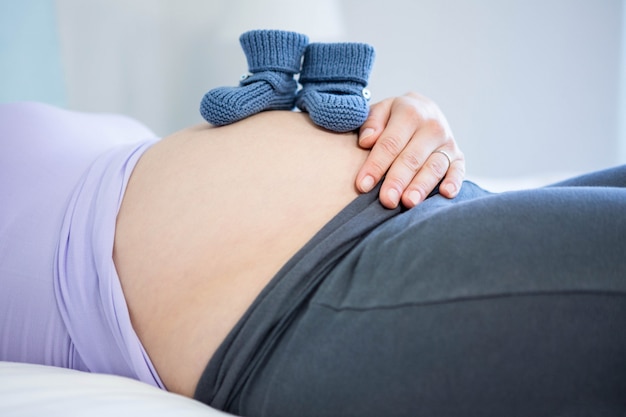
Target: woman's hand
[411, 142]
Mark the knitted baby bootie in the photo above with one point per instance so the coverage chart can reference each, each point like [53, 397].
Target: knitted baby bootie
[273, 56]
[333, 78]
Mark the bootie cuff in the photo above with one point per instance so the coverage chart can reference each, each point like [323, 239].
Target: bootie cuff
[273, 50]
[337, 62]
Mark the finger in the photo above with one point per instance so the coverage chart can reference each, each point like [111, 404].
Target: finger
[451, 184]
[375, 123]
[426, 179]
[408, 165]
[389, 145]
[434, 173]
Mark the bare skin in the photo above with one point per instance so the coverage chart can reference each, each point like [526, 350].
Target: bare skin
[201, 232]
[211, 214]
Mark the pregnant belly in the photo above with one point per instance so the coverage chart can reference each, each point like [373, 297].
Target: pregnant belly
[210, 215]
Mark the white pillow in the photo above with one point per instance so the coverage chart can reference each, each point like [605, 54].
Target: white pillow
[37, 390]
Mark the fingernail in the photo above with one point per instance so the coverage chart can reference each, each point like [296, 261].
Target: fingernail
[414, 197]
[394, 196]
[366, 133]
[450, 189]
[367, 183]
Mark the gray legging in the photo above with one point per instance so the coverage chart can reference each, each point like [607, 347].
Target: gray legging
[510, 304]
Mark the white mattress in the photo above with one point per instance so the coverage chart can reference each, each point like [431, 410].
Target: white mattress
[34, 390]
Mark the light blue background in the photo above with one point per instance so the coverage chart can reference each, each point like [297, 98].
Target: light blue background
[30, 67]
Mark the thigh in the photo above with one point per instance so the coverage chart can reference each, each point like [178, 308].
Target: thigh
[514, 356]
[508, 304]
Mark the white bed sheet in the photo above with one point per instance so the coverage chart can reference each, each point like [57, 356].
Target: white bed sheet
[28, 390]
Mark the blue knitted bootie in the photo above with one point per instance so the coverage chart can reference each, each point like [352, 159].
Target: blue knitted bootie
[273, 56]
[333, 78]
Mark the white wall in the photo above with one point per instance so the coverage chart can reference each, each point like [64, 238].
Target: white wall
[155, 59]
[529, 86]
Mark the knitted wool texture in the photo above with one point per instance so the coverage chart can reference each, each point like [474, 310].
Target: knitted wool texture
[273, 57]
[333, 78]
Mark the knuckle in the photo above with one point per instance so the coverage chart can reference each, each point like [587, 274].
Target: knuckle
[377, 166]
[438, 166]
[413, 112]
[392, 145]
[436, 128]
[407, 107]
[411, 160]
